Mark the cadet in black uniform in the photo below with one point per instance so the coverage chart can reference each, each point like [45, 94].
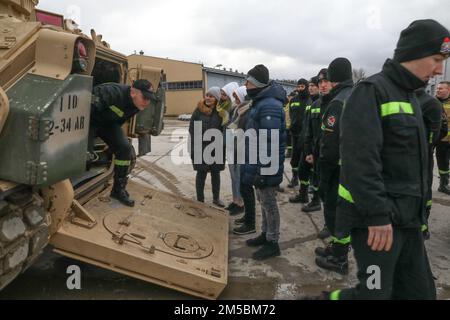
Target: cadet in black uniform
[312, 140]
[384, 172]
[340, 74]
[113, 104]
[297, 109]
[312, 131]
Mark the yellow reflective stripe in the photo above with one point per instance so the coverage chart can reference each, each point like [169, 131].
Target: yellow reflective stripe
[347, 240]
[295, 104]
[443, 173]
[308, 108]
[122, 163]
[334, 296]
[316, 110]
[345, 194]
[305, 183]
[391, 108]
[117, 111]
[424, 228]
[429, 203]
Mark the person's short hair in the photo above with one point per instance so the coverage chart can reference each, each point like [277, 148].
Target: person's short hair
[445, 82]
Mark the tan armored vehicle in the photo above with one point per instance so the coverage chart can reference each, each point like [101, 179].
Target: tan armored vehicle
[54, 189]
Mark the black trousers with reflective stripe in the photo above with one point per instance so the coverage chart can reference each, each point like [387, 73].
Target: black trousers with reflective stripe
[405, 272]
[304, 169]
[296, 153]
[288, 140]
[443, 157]
[328, 190]
[118, 143]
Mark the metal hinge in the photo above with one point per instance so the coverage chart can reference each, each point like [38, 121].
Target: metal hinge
[36, 173]
[39, 129]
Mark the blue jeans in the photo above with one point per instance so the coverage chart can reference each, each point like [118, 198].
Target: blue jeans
[235, 172]
[270, 213]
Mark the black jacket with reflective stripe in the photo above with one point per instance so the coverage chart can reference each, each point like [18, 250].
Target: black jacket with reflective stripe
[297, 109]
[384, 153]
[313, 131]
[111, 104]
[330, 126]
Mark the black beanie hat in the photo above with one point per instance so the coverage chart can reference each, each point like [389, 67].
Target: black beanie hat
[302, 81]
[259, 76]
[423, 38]
[323, 74]
[315, 81]
[340, 70]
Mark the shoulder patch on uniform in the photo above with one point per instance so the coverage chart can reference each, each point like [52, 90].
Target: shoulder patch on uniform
[331, 121]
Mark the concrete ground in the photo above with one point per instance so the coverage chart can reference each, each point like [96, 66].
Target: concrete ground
[289, 276]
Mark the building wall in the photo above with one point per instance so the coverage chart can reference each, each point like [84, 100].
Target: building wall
[177, 101]
[182, 102]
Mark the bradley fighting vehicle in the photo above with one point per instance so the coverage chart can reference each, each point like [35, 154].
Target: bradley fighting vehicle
[55, 190]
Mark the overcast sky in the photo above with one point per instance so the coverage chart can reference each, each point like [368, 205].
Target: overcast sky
[293, 38]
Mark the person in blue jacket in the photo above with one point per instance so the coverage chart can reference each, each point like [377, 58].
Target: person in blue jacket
[264, 160]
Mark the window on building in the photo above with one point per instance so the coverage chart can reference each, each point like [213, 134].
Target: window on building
[183, 85]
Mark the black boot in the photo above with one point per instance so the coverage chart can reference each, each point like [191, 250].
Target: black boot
[244, 229]
[324, 233]
[324, 252]
[257, 242]
[337, 261]
[268, 250]
[314, 205]
[302, 196]
[119, 192]
[240, 221]
[294, 181]
[235, 210]
[443, 185]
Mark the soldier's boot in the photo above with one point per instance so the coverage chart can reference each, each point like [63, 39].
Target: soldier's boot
[324, 233]
[314, 205]
[443, 185]
[324, 252]
[294, 181]
[302, 196]
[337, 261]
[120, 193]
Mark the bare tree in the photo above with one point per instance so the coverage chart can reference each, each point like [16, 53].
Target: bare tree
[359, 74]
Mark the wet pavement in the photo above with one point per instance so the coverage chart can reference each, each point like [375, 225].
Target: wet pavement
[290, 276]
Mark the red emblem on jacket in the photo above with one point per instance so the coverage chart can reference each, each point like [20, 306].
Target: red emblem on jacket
[331, 121]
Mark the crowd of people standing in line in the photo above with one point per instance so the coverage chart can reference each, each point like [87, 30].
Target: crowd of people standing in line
[364, 151]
